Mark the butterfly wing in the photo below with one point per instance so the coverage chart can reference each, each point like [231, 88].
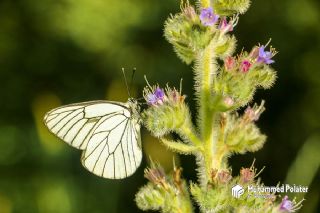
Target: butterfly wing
[113, 151]
[107, 133]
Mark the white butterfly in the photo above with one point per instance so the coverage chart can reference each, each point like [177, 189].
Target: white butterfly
[107, 132]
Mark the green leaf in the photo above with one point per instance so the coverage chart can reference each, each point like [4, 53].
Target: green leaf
[179, 146]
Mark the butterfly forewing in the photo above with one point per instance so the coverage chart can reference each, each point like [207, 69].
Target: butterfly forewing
[107, 132]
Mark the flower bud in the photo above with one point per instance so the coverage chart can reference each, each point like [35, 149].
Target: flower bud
[226, 26]
[245, 66]
[253, 114]
[246, 175]
[229, 63]
[228, 101]
[224, 177]
[190, 13]
[254, 53]
[156, 176]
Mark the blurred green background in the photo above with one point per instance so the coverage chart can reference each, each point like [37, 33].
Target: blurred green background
[55, 52]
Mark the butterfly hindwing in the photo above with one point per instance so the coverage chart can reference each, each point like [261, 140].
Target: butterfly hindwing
[113, 152]
[107, 132]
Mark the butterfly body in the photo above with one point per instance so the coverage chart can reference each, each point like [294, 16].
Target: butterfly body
[108, 133]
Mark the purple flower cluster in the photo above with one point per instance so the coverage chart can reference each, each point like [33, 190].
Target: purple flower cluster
[209, 18]
[156, 96]
[258, 55]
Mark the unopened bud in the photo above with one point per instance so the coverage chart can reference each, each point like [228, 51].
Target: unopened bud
[224, 176]
[229, 63]
[246, 175]
[190, 13]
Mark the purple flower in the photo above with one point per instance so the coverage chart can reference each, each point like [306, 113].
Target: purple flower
[265, 56]
[286, 204]
[152, 99]
[156, 98]
[207, 17]
[290, 205]
[159, 93]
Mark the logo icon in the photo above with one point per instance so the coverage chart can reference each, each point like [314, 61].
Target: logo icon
[237, 191]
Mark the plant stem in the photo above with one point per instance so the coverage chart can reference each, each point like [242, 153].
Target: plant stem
[220, 148]
[207, 68]
[218, 157]
[187, 131]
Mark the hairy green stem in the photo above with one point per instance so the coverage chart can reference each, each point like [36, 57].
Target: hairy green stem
[187, 132]
[220, 148]
[206, 78]
[192, 143]
[207, 68]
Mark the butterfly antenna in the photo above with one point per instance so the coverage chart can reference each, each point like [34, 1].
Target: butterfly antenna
[125, 80]
[132, 75]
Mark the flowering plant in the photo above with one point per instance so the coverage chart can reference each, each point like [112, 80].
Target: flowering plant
[224, 83]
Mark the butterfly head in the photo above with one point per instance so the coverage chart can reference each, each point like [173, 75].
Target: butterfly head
[134, 106]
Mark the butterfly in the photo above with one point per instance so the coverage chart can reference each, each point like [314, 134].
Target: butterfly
[107, 132]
